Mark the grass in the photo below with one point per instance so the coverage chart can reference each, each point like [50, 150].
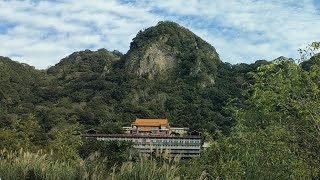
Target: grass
[39, 165]
[148, 170]
[27, 165]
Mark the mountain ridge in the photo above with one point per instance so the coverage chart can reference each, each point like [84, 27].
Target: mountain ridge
[98, 87]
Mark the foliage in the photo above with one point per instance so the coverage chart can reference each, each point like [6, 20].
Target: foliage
[285, 96]
[111, 128]
[27, 165]
[147, 169]
[113, 152]
[276, 135]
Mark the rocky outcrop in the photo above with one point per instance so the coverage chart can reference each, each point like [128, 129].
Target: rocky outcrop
[156, 61]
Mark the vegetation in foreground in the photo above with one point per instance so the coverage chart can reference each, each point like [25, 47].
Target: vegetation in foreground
[27, 165]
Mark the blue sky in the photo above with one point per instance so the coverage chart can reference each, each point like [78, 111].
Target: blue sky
[41, 33]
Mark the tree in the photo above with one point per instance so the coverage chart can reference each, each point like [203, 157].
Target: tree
[277, 134]
[111, 128]
[283, 104]
[19, 132]
[65, 141]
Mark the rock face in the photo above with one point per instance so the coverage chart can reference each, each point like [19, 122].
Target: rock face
[155, 61]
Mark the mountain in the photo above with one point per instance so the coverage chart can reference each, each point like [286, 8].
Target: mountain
[170, 49]
[168, 72]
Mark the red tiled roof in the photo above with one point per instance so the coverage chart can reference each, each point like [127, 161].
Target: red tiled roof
[150, 122]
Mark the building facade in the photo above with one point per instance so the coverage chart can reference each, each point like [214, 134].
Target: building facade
[150, 127]
[179, 131]
[151, 135]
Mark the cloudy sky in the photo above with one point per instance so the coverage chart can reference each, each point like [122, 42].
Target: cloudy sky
[41, 33]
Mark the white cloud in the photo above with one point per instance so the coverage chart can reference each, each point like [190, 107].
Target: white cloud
[48, 31]
[279, 27]
[240, 30]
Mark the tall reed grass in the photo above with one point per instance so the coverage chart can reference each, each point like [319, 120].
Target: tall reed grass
[148, 170]
[27, 165]
[39, 165]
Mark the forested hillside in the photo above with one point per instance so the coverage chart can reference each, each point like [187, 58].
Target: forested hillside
[262, 119]
[168, 72]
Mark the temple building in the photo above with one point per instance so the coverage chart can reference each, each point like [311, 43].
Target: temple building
[150, 127]
[149, 135]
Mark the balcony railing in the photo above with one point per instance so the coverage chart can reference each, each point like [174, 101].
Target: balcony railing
[142, 136]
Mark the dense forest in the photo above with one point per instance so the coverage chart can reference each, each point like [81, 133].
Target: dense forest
[261, 119]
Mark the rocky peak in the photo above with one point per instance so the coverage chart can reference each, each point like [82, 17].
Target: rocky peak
[169, 48]
[164, 51]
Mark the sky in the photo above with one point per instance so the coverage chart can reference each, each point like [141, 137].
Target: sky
[40, 33]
